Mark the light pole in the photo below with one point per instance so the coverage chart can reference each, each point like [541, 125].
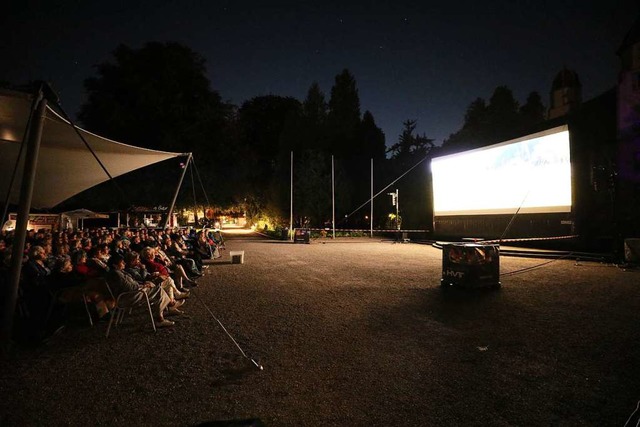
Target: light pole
[395, 201]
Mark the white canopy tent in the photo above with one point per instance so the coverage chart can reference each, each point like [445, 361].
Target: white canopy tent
[65, 165]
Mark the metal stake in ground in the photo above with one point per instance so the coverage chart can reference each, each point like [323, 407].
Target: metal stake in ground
[256, 364]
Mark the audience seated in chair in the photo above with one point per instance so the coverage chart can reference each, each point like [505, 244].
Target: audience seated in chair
[179, 254]
[138, 271]
[163, 265]
[37, 296]
[71, 286]
[122, 282]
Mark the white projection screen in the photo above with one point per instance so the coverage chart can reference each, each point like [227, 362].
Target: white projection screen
[531, 174]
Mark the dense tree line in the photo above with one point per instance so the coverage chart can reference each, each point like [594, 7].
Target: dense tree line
[501, 119]
[159, 97]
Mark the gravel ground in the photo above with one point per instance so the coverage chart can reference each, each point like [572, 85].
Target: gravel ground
[350, 333]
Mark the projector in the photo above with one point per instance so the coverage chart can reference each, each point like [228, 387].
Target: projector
[470, 265]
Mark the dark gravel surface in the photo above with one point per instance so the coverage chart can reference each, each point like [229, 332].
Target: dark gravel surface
[351, 333]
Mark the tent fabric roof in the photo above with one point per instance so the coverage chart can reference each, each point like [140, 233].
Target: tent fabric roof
[65, 166]
[83, 213]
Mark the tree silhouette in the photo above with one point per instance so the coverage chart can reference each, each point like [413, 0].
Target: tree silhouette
[312, 123]
[415, 206]
[312, 190]
[475, 117]
[500, 120]
[343, 119]
[533, 111]
[158, 97]
[372, 138]
[262, 121]
[410, 146]
[503, 118]
[267, 134]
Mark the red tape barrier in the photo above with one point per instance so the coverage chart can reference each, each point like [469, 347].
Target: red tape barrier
[368, 230]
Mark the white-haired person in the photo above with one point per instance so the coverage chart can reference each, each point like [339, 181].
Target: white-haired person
[121, 282]
[139, 272]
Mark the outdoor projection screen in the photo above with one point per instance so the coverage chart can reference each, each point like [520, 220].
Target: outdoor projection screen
[526, 175]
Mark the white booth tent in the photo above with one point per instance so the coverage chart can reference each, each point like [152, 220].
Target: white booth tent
[66, 166]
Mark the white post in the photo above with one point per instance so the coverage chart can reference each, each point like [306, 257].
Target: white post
[175, 195]
[397, 209]
[333, 197]
[291, 202]
[371, 215]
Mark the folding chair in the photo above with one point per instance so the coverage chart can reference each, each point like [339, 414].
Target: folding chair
[122, 306]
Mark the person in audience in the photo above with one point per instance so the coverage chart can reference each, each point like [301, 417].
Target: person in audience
[74, 246]
[36, 273]
[153, 264]
[118, 247]
[136, 243]
[107, 237]
[201, 246]
[86, 244]
[72, 286]
[50, 259]
[180, 255]
[121, 282]
[36, 295]
[139, 272]
[216, 236]
[63, 275]
[80, 265]
[61, 251]
[97, 257]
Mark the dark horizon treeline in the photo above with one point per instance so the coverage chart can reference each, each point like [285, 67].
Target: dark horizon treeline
[159, 97]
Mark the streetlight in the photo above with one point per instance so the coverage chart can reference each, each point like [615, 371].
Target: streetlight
[395, 201]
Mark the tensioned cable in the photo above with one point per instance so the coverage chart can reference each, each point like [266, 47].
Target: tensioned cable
[200, 180]
[15, 167]
[389, 185]
[632, 415]
[534, 267]
[257, 365]
[513, 217]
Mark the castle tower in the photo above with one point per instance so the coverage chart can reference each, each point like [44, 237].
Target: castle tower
[629, 83]
[566, 93]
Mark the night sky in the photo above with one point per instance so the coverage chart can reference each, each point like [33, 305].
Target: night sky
[412, 60]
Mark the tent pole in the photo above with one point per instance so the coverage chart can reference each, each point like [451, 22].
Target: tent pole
[371, 214]
[26, 193]
[25, 138]
[195, 202]
[333, 198]
[175, 196]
